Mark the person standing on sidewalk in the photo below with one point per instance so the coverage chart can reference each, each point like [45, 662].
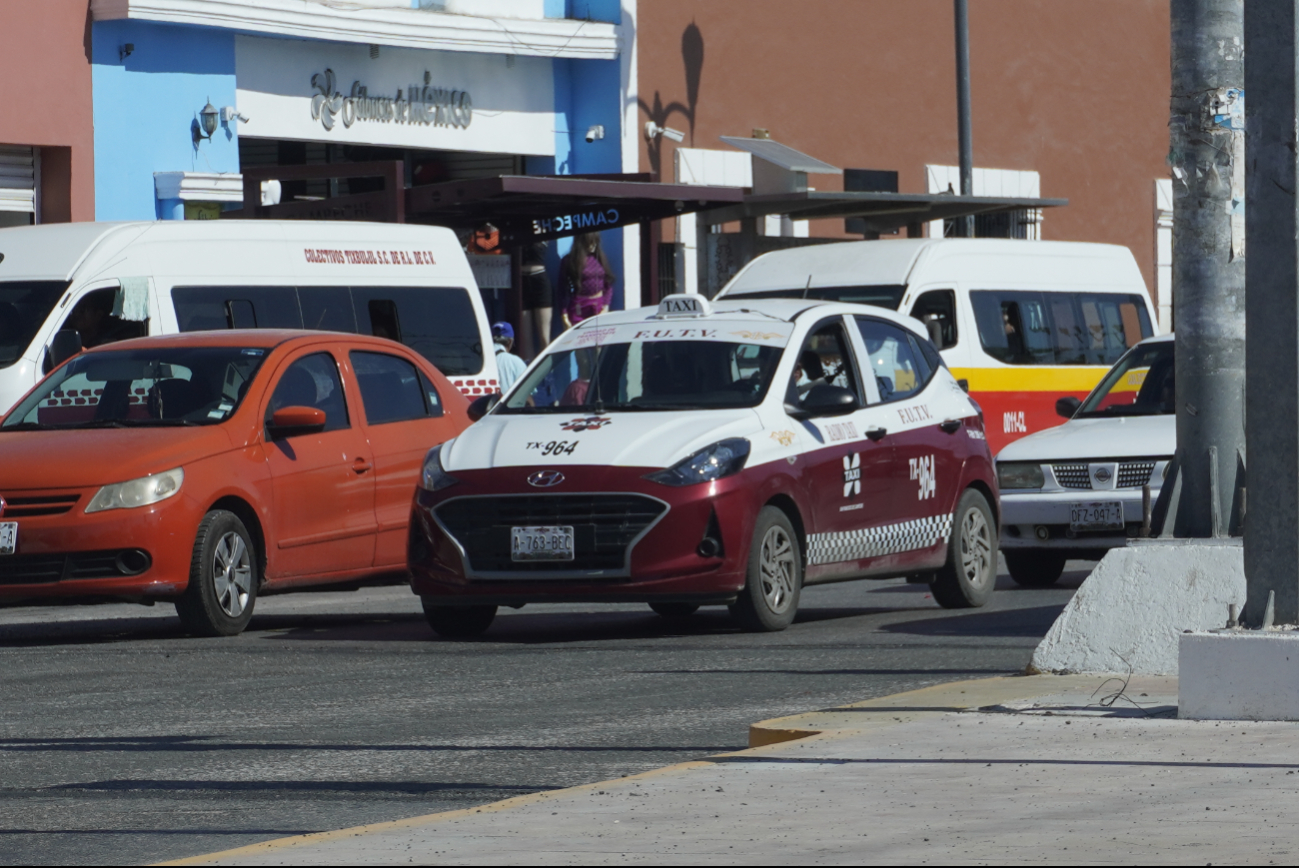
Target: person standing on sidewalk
[587, 280]
[509, 367]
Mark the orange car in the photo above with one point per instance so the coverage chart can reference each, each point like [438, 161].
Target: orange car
[207, 467]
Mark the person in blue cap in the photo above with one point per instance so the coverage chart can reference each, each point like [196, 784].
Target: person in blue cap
[509, 367]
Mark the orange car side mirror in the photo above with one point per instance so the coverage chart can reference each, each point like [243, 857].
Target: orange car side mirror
[288, 421]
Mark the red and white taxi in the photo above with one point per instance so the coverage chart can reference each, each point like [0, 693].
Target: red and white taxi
[696, 454]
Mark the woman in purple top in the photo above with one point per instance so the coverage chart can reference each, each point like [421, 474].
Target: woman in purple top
[587, 280]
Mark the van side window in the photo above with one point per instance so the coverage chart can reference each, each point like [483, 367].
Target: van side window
[327, 308]
[890, 353]
[1059, 328]
[93, 318]
[435, 321]
[203, 308]
[937, 310]
[391, 390]
[384, 321]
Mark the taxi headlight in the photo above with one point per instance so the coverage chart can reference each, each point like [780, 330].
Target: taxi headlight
[138, 492]
[1020, 475]
[711, 463]
[435, 476]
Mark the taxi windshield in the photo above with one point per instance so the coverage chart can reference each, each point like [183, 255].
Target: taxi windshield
[174, 386]
[1141, 384]
[647, 375]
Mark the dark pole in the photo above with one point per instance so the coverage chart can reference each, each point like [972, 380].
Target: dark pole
[963, 107]
[1207, 157]
[1272, 311]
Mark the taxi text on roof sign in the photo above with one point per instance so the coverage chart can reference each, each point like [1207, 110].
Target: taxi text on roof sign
[684, 305]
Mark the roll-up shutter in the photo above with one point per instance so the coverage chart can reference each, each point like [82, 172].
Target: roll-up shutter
[17, 179]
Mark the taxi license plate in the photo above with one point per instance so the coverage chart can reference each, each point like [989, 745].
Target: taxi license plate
[1096, 516]
[8, 537]
[541, 543]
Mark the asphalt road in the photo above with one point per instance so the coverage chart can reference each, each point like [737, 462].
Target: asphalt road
[124, 741]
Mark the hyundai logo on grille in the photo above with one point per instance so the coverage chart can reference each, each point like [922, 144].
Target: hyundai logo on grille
[545, 478]
[1102, 474]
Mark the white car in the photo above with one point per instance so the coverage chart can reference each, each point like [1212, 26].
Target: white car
[1077, 490]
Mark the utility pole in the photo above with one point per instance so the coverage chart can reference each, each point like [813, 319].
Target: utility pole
[963, 108]
[1272, 312]
[1207, 157]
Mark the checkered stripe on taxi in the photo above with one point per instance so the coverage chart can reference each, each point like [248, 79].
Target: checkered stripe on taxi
[872, 542]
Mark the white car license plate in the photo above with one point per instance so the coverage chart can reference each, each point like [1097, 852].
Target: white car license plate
[541, 543]
[1107, 515]
[8, 537]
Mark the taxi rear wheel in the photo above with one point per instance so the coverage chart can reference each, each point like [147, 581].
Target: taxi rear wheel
[1035, 569]
[223, 577]
[459, 622]
[969, 577]
[769, 599]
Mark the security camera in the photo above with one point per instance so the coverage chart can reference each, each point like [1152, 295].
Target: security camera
[595, 133]
[653, 130]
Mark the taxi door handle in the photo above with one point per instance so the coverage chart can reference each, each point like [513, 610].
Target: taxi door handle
[876, 434]
[360, 466]
[950, 426]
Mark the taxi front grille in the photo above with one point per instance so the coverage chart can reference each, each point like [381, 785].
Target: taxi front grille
[37, 505]
[1072, 475]
[604, 525]
[46, 569]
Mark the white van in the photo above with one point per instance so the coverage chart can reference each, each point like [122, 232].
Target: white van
[1022, 322]
[111, 281]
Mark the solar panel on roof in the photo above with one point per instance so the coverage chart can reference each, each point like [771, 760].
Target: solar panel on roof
[782, 155]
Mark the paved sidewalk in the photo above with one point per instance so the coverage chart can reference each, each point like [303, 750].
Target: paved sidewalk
[1032, 769]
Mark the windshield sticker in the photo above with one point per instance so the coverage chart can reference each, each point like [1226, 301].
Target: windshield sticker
[587, 423]
[757, 336]
[784, 438]
[852, 475]
[775, 335]
[594, 336]
[912, 415]
[922, 471]
[554, 447]
[836, 431]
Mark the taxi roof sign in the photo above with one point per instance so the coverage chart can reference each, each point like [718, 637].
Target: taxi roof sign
[684, 304]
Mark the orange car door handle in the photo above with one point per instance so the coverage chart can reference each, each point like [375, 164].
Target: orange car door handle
[360, 465]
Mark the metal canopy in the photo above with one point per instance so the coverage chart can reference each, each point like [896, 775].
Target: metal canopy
[782, 155]
[883, 212]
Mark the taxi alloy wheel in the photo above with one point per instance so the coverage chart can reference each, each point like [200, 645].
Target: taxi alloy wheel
[769, 599]
[969, 577]
[223, 577]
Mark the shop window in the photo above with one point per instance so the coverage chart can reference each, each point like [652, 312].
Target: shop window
[937, 310]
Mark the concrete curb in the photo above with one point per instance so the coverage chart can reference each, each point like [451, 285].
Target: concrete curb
[845, 720]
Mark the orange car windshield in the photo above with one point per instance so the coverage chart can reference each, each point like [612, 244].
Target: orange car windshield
[141, 387]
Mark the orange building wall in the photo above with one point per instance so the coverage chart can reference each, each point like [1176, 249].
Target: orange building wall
[1076, 91]
[45, 63]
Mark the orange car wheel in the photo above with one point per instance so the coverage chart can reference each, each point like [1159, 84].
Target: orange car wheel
[222, 578]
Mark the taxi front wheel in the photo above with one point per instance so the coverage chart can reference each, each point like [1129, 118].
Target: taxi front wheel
[222, 578]
[769, 599]
[969, 577]
[458, 622]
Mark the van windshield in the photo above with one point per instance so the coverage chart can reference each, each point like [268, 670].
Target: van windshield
[175, 386]
[886, 296]
[24, 306]
[1059, 328]
[1142, 384]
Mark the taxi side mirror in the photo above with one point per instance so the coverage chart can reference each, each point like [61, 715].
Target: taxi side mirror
[291, 421]
[65, 345]
[1067, 406]
[824, 400]
[480, 407]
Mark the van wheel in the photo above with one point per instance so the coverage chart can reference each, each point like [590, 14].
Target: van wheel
[222, 578]
[458, 622]
[969, 577]
[1034, 568]
[674, 611]
[769, 599]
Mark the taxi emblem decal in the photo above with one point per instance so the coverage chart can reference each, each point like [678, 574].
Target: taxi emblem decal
[852, 474]
[545, 478]
[922, 471]
[587, 423]
[784, 438]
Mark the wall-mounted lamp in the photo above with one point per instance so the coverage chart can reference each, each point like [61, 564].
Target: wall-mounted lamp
[125, 51]
[653, 131]
[207, 123]
[595, 132]
[230, 113]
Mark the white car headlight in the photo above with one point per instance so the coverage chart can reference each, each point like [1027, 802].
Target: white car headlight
[1020, 474]
[138, 492]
